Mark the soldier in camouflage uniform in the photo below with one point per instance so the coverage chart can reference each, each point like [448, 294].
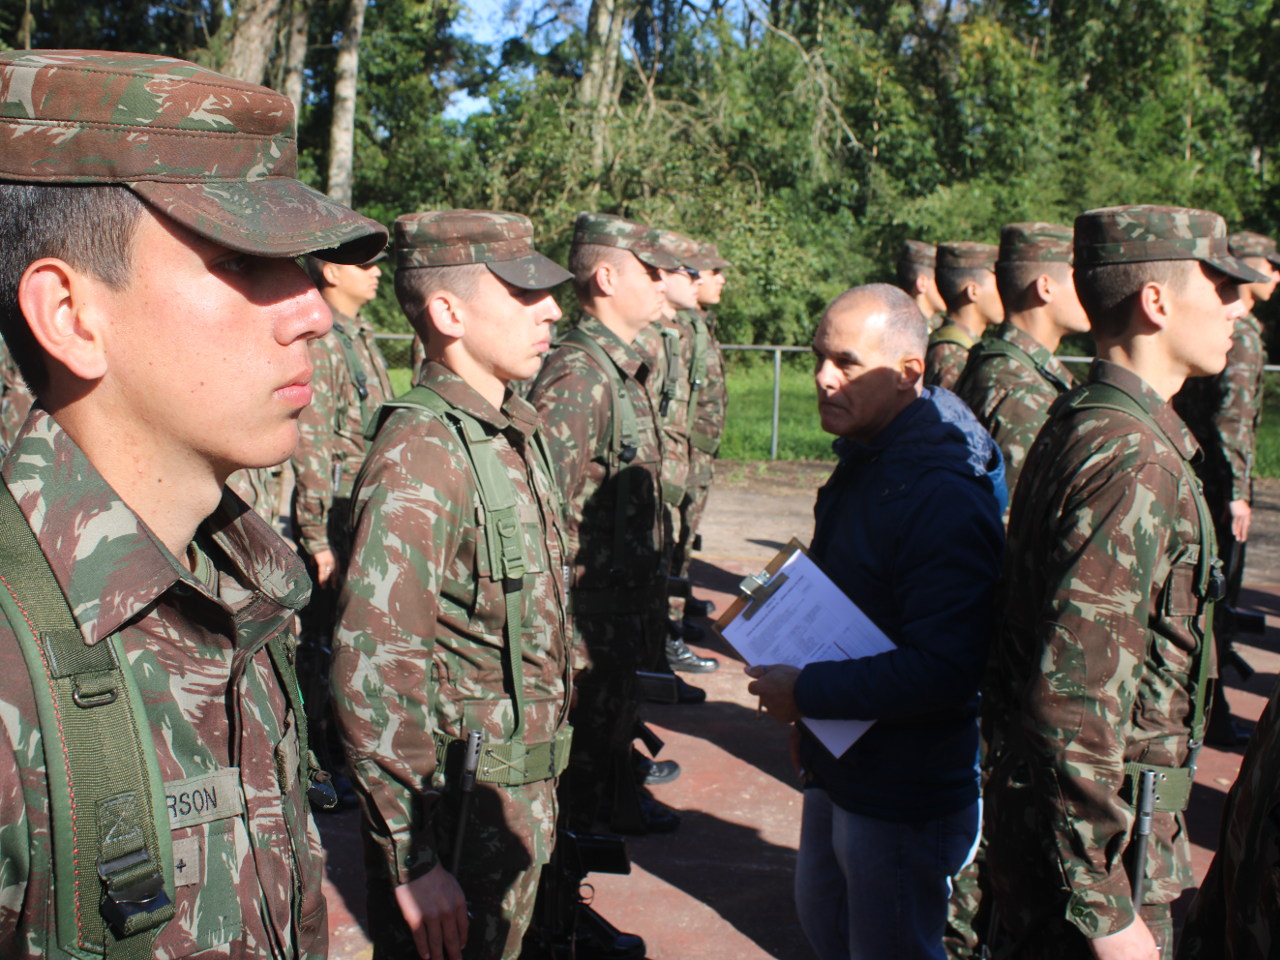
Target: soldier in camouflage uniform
[264, 490]
[674, 392]
[1010, 381]
[603, 431]
[917, 264]
[710, 403]
[1236, 913]
[1100, 663]
[967, 283]
[1012, 377]
[154, 200]
[434, 610]
[1223, 412]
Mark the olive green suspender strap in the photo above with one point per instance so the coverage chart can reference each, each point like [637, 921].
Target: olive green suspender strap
[952, 333]
[671, 344]
[112, 868]
[355, 367]
[1208, 588]
[698, 365]
[626, 429]
[998, 346]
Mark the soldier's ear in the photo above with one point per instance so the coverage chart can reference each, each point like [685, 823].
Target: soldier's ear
[1153, 304]
[910, 371]
[1044, 288]
[972, 290]
[443, 311]
[67, 313]
[605, 278]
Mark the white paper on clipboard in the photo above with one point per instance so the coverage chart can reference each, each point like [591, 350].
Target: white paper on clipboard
[807, 619]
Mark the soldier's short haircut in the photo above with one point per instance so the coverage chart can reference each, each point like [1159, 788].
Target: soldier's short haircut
[89, 227]
[315, 270]
[953, 280]
[1107, 291]
[1014, 281]
[909, 271]
[416, 285]
[584, 258]
[905, 329]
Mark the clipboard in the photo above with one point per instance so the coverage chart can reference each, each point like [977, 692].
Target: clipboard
[793, 613]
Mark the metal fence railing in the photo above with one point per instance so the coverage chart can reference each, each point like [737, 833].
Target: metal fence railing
[396, 347]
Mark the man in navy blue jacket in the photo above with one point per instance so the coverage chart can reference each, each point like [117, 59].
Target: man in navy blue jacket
[909, 527]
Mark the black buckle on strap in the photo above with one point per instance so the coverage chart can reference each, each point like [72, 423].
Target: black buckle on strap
[135, 894]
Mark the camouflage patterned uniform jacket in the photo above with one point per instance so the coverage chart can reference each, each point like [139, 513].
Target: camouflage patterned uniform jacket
[709, 405]
[946, 356]
[668, 347]
[421, 646]
[331, 430]
[1236, 914]
[575, 397]
[185, 636]
[1223, 412]
[1093, 663]
[15, 399]
[1011, 395]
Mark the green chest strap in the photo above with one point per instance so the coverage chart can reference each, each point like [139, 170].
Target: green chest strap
[504, 540]
[112, 868]
[355, 368]
[1000, 347]
[626, 430]
[951, 333]
[671, 382]
[1209, 588]
[698, 364]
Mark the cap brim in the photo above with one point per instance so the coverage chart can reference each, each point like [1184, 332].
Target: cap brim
[1237, 269]
[1274, 259]
[532, 272]
[655, 257]
[272, 217]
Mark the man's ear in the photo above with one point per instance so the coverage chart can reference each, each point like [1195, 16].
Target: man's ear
[605, 279]
[1045, 288]
[1153, 304]
[972, 290]
[330, 273]
[921, 285]
[910, 371]
[65, 311]
[444, 312]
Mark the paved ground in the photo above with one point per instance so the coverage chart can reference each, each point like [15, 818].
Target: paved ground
[720, 887]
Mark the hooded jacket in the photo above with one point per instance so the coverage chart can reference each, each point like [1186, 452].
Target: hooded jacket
[908, 526]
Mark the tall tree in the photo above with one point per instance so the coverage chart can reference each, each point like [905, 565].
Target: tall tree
[342, 129]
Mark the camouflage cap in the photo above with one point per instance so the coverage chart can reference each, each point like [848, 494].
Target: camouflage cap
[1245, 244]
[966, 255]
[682, 249]
[216, 155]
[610, 231]
[1143, 233]
[710, 254]
[1035, 243]
[501, 241]
[918, 252]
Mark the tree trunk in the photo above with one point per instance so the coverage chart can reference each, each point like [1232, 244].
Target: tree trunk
[598, 89]
[253, 27]
[295, 52]
[342, 131]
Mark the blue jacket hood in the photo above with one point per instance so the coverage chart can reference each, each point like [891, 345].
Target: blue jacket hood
[936, 432]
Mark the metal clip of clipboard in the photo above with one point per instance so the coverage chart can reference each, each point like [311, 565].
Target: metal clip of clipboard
[757, 589]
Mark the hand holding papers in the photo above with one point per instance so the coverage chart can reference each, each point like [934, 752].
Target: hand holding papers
[793, 614]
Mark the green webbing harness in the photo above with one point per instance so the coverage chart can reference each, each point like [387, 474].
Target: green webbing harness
[698, 363]
[671, 346]
[1173, 784]
[354, 367]
[1000, 347]
[626, 430]
[952, 333]
[513, 762]
[112, 866]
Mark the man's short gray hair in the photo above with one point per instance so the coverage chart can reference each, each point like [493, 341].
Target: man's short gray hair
[905, 328]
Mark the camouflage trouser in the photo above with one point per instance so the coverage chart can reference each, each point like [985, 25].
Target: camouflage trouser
[969, 911]
[685, 530]
[1057, 939]
[508, 839]
[599, 777]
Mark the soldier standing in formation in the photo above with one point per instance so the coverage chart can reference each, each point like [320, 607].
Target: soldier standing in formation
[1100, 665]
[967, 282]
[710, 403]
[1223, 413]
[916, 267]
[603, 431]
[152, 304]
[1012, 376]
[458, 579]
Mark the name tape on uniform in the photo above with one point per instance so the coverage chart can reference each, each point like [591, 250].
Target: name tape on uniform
[204, 798]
